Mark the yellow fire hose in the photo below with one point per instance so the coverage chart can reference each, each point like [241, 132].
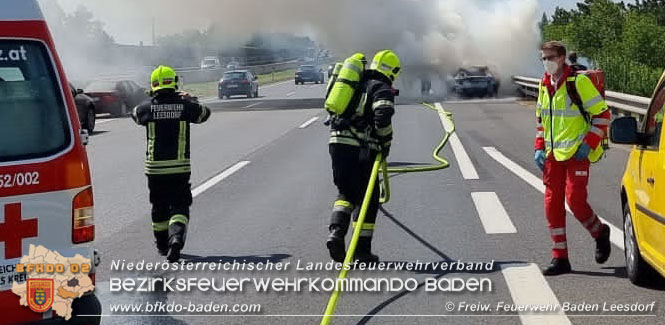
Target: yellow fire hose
[381, 164]
[332, 303]
[443, 163]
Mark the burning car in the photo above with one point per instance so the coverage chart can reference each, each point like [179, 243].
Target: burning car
[475, 81]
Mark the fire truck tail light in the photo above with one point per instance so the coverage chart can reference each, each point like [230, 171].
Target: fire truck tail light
[83, 222]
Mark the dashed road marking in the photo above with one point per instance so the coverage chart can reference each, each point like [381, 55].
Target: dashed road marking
[465, 163]
[492, 214]
[309, 122]
[290, 94]
[98, 122]
[616, 234]
[219, 177]
[276, 84]
[484, 101]
[528, 287]
[252, 105]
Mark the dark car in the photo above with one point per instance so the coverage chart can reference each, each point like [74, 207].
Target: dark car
[309, 73]
[238, 82]
[85, 106]
[116, 97]
[476, 81]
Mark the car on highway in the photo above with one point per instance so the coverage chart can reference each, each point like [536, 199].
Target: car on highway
[85, 106]
[238, 82]
[308, 73]
[475, 81]
[232, 65]
[643, 190]
[210, 63]
[116, 97]
[46, 194]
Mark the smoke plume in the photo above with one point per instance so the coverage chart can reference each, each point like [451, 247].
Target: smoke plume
[432, 36]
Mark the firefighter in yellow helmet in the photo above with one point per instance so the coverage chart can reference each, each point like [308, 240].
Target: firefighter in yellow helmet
[167, 117]
[355, 140]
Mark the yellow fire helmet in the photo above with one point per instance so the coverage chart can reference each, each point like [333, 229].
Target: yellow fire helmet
[361, 57]
[387, 63]
[163, 78]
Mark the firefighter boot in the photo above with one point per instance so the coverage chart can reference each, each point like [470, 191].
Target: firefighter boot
[558, 266]
[177, 234]
[335, 243]
[162, 242]
[603, 246]
[364, 251]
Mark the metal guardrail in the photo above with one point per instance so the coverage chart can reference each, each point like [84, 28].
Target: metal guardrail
[196, 74]
[619, 103]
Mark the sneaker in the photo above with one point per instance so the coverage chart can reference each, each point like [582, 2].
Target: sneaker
[335, 244]
[558, 266]
[603, 245]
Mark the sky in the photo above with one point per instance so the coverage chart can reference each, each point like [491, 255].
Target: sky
[140, 29]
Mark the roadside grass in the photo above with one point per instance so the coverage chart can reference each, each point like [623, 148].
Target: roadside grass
[209, 89]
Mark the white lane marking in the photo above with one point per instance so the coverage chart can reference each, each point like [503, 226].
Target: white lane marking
[492, 214]
[290, 94]
[528, 287]
[98, 122]
[465, 164]
[309, 122]
[252, 105]
[219, 177]
[276, 84]
[483, 101]
[616, 234]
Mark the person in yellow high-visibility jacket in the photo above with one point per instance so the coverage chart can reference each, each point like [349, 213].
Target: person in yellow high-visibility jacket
[568, 140]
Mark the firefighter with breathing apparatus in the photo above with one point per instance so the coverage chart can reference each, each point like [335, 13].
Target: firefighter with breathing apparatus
[361, 103]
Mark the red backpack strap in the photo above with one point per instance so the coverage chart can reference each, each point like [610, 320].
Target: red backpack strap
[574, 95]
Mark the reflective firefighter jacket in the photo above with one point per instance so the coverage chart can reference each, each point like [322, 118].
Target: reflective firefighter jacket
[562, 126]
[167, 120]
[370, 123]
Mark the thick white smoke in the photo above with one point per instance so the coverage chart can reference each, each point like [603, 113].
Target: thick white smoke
[430, 35]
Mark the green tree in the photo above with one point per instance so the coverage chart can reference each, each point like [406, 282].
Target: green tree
[598, 29]
[644, 39]
[544, 21]
[626, 41]
[561, 16]
[653, 7]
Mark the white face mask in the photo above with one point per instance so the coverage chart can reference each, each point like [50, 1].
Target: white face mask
[550, 66]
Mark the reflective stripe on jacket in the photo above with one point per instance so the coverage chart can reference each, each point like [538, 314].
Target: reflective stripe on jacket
[562, 127]
[167, 120]
[372, 120]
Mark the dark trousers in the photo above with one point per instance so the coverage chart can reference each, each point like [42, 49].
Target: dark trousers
[352, 168]
[171, 197]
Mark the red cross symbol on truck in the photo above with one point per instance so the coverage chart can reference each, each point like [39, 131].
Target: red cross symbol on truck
[14, 229]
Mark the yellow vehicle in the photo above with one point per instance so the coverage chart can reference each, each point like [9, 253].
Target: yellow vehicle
[643, 190]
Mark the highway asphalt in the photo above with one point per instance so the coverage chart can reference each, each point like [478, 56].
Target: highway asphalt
[263, 185]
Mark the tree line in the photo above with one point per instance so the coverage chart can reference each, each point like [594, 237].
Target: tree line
[627, 41]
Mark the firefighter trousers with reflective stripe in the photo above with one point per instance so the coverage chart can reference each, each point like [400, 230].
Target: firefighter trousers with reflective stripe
[567, 181]
[171, 197]
[352, 168]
